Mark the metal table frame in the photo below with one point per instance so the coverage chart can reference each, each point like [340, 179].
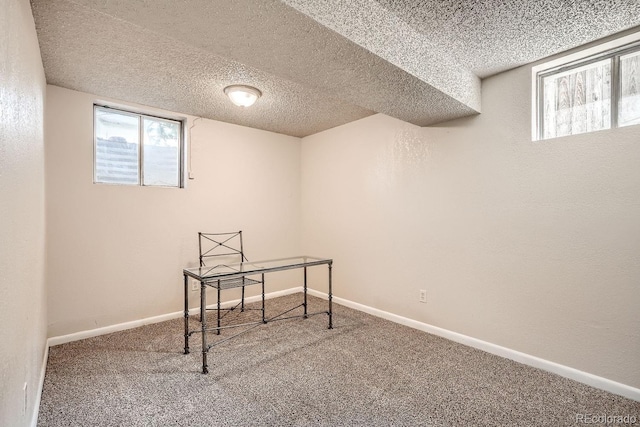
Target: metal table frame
[221, 277]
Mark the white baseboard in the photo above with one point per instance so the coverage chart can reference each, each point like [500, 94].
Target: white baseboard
[43, 371]
[156, 319]
[527, 359]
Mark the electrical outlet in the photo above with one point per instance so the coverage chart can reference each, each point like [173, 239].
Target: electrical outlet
[195, 285]
[423, 295]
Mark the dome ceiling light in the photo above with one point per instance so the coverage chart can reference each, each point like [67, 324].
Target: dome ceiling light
[242, 95]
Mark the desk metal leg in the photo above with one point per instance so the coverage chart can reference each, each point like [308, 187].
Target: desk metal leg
[218, 330]
[242, 300]
[305, 293]
[264, 319]
[186, 314]
[330, 300]
[203, 320]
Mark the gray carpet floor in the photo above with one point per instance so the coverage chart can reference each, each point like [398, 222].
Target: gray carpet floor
[365, 372]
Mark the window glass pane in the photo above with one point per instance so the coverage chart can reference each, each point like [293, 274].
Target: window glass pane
[629, 107]
[577, 100]
[116, 147]
[161, 164]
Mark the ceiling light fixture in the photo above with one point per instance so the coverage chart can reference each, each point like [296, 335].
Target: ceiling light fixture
[241, 95]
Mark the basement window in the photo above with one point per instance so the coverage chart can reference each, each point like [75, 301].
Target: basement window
[136, 149]
[593, 92]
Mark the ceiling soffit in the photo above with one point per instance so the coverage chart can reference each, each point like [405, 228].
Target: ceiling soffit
[371, 26]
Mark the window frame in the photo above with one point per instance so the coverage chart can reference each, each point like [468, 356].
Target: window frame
[141, 116]
[612, 50]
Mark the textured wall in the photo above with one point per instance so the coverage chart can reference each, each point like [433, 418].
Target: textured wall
[22, 222]
[528, 245]
[116, 253]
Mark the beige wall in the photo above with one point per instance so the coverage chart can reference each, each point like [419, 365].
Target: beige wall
[116, 253]
[22, 223]
[528, 245]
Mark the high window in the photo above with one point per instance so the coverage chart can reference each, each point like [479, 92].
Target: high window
[595, 92]
[136, 149]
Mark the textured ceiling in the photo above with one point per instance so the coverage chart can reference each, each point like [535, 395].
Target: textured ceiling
[495, 35]
[319, 63]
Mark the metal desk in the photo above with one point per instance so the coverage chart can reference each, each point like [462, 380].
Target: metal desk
[236, 275]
